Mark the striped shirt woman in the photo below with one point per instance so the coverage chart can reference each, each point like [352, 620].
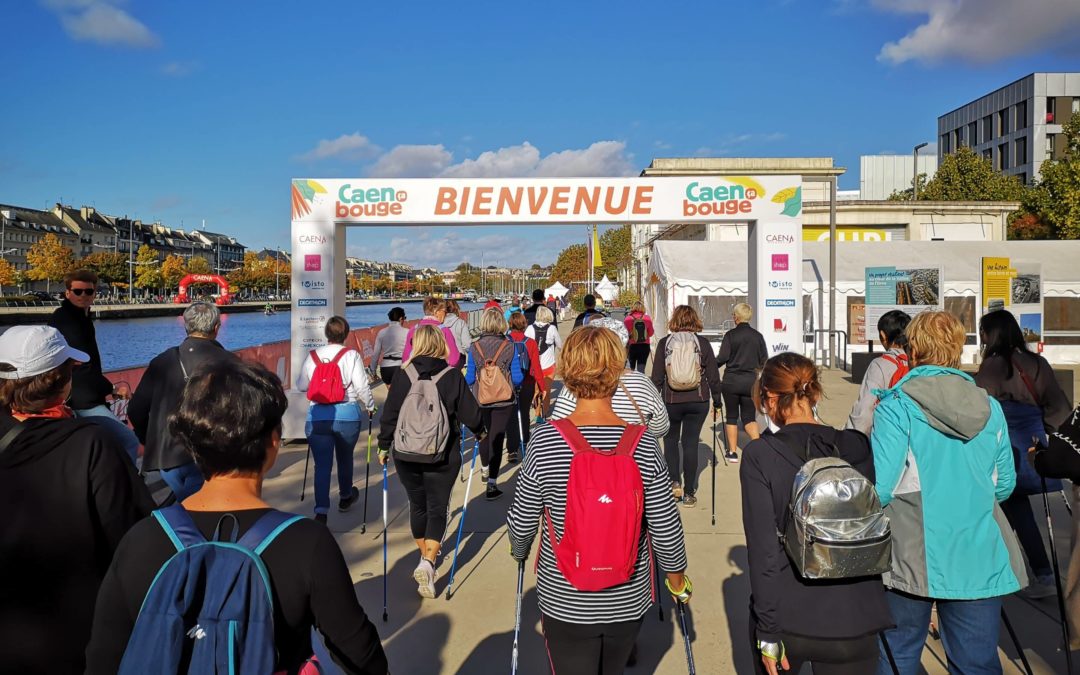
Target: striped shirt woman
[636, 401]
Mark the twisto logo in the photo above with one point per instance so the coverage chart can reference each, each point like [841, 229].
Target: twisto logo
[371, 202]
[722, 200]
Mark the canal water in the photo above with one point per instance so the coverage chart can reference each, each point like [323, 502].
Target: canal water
[125, 343]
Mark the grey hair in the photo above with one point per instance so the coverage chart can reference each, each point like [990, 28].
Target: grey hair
[202, 318]
[544, 315]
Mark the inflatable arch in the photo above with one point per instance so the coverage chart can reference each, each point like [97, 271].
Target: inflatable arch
[223, 298]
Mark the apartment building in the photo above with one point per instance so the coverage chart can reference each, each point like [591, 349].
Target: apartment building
[1017, 127]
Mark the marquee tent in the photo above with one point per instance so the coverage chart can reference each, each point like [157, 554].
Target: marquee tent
[607, 290]
[556, 289]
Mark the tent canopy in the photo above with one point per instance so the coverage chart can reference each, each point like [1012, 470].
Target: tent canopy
[606, 289]
[556, 289]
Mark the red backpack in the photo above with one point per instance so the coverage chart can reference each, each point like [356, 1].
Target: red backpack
[326, 385]
[902, 367]
[605, 502]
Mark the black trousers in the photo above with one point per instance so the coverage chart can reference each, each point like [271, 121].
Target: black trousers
[589, 648]
[429, 487]
[638, 354]
[687, 419]
[496, 420]
[524, 411]
[856, 656]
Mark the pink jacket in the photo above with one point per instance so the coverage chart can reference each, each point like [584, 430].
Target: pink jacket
[455, 355]
[629, 323]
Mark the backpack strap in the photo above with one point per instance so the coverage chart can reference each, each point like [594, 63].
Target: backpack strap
[341, 352]
[266, 529]
[480, 350]
[179, 526]
[630, 397]
[570, 433]
[1027, 380]
[438, 376]
[628, 443]
[413, 374]
[10, 436]
[495, 359]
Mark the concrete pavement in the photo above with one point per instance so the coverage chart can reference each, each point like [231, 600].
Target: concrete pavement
[472, 632]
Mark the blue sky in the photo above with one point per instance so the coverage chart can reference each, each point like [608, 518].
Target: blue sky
[184, 111]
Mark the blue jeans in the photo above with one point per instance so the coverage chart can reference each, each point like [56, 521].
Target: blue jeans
[332, 431]
[969, 632]
[184, 480]
[119, 431]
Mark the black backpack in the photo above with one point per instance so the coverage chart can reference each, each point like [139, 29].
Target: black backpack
[641, 332]
[541, 337]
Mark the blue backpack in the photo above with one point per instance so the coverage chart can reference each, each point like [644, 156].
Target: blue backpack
[519, 363]
[209, 606]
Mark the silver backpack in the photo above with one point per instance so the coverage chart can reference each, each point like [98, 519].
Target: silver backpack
[423, 426]
[835, 527]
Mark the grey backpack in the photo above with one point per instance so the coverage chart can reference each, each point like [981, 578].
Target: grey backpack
[682, 362]
[835, 527]
[423, 426]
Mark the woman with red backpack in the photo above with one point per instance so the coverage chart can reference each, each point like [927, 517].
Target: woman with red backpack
[336, 384]
[883, 372]
[591, 613]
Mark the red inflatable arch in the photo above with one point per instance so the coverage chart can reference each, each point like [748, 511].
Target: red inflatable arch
[223, 298]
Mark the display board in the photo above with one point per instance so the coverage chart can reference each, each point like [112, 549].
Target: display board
[1016, 287]
[911, 290]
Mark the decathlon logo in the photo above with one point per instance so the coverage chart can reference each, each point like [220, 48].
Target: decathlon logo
[196, 633]
[604, 499]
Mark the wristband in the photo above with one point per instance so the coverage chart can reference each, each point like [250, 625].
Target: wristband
[682, 595]
[772, 650]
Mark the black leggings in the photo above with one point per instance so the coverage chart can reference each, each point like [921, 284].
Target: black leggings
[857, 656]
[589, 648]
[738, 406]
[386, 373]
[638, 355]
[524, 410]
[429, 487]
[496, 420]
[686, 422]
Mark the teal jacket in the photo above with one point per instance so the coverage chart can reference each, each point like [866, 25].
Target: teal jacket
[943, 461]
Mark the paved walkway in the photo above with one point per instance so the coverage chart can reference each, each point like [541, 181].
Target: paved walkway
[472, 633]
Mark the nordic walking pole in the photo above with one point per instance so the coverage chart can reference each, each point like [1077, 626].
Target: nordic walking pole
[714, 467]
[1016, 642]
[521, 429]
[1068, 506]
[659, 593]
[367, 477]
[385, 489]
[307, 460]
[517, 615]
[461, 523]
[1057, 579]
[686, 638]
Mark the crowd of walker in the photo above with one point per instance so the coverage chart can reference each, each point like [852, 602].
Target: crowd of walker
[854, 536]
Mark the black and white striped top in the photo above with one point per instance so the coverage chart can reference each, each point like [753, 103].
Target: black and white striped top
[645, 395]
[541, 484]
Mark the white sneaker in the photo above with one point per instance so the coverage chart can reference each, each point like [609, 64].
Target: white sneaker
[483, 473]
[425, 576]
[1041, 587]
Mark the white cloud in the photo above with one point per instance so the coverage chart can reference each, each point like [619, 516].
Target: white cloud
[980, 31]
[516, 160]
[101, 21]
[411, 161]
[179, 68]
[603, 158]
[446, 250]
[347, 146]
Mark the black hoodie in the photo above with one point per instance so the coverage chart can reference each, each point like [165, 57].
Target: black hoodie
[89, 386]
[68, 494]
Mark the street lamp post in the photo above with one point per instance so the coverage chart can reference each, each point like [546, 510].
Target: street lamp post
[915, 174]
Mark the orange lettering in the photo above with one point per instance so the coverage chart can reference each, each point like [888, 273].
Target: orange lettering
[446, 202]
[559, 197]
[536, 200]
[482, 202]
[642, 201]
[610, 207]
[587, 197]
[509, 202]
[464, 201]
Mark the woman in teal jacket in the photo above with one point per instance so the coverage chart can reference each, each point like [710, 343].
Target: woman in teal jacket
[944, 462]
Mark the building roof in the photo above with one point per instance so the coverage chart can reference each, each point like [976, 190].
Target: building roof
[762, 166]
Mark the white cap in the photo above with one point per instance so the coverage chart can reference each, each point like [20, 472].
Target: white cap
[34, 350]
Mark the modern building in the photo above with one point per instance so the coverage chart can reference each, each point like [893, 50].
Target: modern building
[882, 175]
[1017, 127]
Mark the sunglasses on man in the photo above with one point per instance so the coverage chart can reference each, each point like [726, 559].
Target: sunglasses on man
[82, 291]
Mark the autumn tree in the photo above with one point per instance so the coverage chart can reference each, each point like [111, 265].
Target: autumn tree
[616, 251]
[280, 272]
[147, 268]
[8, 274]
[966, 176]
[572, 265]
[49, 260]
[109, 266]
[173, 269]
[198, 265]
[1056, 197]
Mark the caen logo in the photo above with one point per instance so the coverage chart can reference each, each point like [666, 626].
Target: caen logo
[357, 202]
[311, 239]
[780, 238]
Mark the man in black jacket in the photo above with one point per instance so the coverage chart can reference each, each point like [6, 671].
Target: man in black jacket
[537, 303]
[590, 312]
[159, 393]
[89, 386]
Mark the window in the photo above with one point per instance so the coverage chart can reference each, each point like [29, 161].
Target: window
[973, 133]
[1020, 151]
[1076, 105]
[1021, 115]
[988, 129]
[1051, 108]
[1050, 138]
[1003, 157]
[945, 144]
[958, 138]
[1003, 122]
[1022, 177]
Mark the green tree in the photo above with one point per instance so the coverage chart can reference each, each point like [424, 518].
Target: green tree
[173, 269]
[572, 266]
[198, 265]
[147, 268]
[49, 260]
[616, 251]
[965, 176]
[110, 267]
[905, 195]
[1056, 197]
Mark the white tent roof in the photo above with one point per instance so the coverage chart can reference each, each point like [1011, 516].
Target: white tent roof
[605, 283]
[556, 289]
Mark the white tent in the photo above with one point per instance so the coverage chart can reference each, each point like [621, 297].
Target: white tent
[557, 289]
[607, 290]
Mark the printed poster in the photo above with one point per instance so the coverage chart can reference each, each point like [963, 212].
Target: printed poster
[911, 290]
[1016, 287]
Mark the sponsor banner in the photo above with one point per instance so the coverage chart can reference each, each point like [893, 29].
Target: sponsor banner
[821, 233]
[311, 302]
[786, 302]
[543, 200]
[1016, 287]
[776, 283]
[911, 290]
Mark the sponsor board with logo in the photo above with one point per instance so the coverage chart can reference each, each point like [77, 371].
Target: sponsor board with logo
[779, 302]
[311, 302]
[776, 281]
